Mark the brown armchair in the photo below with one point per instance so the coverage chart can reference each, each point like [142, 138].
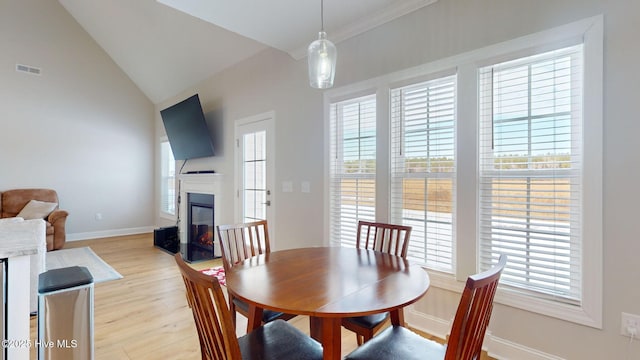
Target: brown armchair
[13, 201]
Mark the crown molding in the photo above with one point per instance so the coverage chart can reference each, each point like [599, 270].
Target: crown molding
[376, 19]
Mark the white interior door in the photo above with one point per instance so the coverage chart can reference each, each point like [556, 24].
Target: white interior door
[254, 169]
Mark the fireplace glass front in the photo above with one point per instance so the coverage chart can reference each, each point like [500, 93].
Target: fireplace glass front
[200, 232]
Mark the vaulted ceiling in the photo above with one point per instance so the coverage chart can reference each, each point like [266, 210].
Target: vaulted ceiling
[166, 46]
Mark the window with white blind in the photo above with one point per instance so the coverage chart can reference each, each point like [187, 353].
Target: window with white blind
[423, 169]
[167, 181]
[494, 151]
[352, 173]
[531, 172]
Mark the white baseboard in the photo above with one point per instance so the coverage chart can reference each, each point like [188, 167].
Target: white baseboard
[109, 233]
[427, 323]
[496, 347]
[504, 349]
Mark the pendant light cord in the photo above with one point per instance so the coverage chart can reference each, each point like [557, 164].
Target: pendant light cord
[321, 15]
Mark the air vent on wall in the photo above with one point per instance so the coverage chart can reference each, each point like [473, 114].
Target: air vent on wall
[28, 69]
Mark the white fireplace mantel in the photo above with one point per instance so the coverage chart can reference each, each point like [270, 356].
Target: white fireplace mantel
[200, 184]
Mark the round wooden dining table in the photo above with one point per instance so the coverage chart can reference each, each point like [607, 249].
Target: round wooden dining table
[327, 284]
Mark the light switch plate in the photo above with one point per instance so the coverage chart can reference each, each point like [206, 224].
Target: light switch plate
[287, 186]
[305, 187]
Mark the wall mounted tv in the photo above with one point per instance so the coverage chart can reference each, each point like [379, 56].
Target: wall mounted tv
[187, 129]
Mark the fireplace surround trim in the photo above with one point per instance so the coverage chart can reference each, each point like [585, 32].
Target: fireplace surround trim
[200, 184]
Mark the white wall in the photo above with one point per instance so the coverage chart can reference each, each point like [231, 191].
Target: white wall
[270, 81]
[273, 81]
[81, 128]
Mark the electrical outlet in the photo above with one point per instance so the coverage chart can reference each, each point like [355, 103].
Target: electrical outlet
[630, 325]
[98, 216]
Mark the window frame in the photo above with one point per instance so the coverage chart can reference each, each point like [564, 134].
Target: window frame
[589, 32]
[336, 161]
[536, 228]
[427, 122]
[161, 211]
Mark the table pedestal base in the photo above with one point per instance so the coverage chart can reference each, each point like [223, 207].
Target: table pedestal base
[326, 330]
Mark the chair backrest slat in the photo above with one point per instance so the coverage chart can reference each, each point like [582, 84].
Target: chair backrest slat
[388, 238]
[216, 332]
[473, 314]
[242, 241]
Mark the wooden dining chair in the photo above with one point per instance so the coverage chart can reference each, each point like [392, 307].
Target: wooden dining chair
[276, 340]
[467, 332]
[240, 242]
[388, 238]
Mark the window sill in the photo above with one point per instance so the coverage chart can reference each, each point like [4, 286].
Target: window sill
[511, 297]
[572, 313]
[167, 216]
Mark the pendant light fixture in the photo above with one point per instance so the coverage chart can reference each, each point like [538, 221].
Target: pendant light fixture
[322, 58]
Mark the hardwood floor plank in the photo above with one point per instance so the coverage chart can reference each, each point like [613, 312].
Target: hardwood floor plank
[145, 315]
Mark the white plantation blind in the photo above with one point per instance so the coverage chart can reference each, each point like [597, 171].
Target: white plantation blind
[352, 166]
[423, 169]
[167, 182]
[531, 172]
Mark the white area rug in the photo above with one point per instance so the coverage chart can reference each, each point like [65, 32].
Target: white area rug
[84, 256]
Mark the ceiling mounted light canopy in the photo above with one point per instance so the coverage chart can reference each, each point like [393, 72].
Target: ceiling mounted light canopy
[322, 56]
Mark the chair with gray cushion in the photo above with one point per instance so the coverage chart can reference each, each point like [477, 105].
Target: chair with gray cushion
[276, 340]
[238, 243]
[388, 238]
[467, 332]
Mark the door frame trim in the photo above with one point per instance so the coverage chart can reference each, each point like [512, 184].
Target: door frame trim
[269, 118]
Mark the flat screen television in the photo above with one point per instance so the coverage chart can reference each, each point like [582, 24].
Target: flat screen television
[187, 129]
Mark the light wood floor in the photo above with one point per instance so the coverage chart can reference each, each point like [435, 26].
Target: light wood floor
[145, 314]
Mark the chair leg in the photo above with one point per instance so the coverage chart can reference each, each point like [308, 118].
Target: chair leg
[232, 310]
[367, 336]
[364, 336]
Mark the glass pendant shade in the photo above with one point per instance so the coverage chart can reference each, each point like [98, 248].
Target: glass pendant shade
[322, 56]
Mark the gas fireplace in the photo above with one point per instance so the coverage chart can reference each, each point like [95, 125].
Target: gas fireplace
[199, 226]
